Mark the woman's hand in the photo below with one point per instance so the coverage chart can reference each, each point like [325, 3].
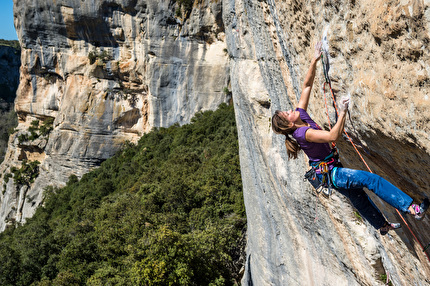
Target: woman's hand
[344, 103]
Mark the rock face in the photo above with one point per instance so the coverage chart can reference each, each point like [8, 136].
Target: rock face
[106, 71]
[95, 74]
[379, 54]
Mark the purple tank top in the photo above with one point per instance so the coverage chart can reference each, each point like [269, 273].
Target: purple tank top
[315, 151]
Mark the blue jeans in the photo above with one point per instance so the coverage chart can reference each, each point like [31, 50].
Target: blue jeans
[351, 182]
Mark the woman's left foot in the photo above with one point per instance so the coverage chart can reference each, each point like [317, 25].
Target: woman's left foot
[421, 209]
[389, 226]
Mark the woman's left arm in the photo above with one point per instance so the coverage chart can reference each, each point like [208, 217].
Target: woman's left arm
[321, 136]
[309, 80]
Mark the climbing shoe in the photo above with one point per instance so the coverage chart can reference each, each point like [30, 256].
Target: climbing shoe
[389, 226]
[421, 209]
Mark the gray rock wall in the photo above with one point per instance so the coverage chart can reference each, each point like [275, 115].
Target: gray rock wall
[379, 54]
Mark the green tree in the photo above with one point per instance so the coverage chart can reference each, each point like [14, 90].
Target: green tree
[10, 266]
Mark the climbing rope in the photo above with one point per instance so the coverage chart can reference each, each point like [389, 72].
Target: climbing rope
[327, 81]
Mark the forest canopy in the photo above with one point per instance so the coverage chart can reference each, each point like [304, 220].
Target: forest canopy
[166, 211]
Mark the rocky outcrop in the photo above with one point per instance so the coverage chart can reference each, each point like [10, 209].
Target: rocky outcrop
[95, 74]
[379, 54]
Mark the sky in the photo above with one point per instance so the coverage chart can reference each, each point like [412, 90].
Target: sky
[7, 29]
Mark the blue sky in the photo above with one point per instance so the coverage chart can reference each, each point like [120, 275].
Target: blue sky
[7, 30]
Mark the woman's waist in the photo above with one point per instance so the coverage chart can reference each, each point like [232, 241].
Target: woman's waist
[327, 164]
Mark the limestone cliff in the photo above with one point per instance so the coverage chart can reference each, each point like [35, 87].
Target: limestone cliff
[108, 70]
[379, 53]
[95, 74]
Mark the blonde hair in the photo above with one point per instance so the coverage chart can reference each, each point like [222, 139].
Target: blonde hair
[282, 126]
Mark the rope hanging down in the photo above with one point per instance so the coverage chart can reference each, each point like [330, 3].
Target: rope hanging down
[327, 81]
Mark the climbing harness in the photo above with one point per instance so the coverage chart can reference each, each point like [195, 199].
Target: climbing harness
[323, 168]
[327, 81]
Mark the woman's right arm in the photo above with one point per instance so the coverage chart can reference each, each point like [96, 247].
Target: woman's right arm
[309, 79]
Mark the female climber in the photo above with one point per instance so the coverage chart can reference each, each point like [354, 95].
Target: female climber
[302, 133]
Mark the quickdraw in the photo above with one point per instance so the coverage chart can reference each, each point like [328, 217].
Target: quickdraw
[326, 184]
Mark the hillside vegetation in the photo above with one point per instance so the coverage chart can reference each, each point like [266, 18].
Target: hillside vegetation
[167, 211]
[10, 43]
